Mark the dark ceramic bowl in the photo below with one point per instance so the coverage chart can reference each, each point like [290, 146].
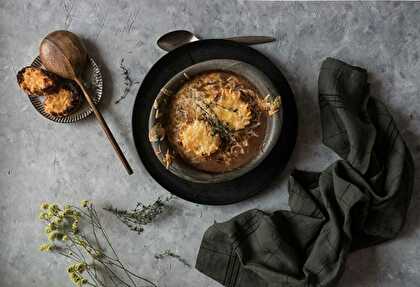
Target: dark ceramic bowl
[247, 71]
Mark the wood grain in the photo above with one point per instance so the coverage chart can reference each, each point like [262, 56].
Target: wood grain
[63, 53]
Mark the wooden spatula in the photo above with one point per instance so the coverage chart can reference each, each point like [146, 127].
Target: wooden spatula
[64, 54]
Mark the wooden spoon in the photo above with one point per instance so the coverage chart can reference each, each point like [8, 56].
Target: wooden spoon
[64, 54]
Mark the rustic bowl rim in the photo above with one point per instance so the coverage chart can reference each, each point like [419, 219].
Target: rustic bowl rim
[253, 75]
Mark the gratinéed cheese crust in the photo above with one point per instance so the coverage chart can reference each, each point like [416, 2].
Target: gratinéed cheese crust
[231, 110]
[214, 121]
[35, 81]
[60, 103]
[198, 138]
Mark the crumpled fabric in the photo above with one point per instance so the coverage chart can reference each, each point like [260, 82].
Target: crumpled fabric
[356, 202]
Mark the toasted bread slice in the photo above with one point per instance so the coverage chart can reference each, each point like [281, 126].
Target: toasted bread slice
[63, 102]
[37, 82]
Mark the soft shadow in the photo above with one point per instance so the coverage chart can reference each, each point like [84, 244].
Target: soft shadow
[361, 269]
[412, 223]
[402, 121]
[106, 78]
[106, 73]
[361, 266]
[303, 128]
[107, 100]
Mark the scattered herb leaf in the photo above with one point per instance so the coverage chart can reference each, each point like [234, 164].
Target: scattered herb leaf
[141, 215]
[169, 253]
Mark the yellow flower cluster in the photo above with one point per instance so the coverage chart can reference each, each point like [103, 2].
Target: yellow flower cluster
[62, 229]
[85, 203]
[46, 247]
[53, 213]
[75, 271]
[60, 222]
[55, 235]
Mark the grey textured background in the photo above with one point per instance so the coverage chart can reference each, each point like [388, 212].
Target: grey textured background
[43, 161]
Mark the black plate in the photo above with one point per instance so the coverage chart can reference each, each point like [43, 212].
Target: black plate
[225, 192]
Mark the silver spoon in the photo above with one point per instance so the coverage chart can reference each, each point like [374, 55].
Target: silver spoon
[177, 38]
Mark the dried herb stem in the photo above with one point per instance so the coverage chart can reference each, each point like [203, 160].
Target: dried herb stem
[141, 215]
[69, 237]
[169, 253]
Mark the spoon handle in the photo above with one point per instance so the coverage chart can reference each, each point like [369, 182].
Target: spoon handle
[251, 40]
[105, 128]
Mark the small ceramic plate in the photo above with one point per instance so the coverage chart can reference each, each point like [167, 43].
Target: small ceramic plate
[264, 87]
[92, 79]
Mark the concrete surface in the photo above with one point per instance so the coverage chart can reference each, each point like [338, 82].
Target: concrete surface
[43, 161]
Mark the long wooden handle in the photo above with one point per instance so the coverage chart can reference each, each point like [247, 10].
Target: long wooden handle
[105, 128]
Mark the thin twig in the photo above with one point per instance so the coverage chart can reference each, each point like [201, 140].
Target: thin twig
[79, 247]
[169, 253]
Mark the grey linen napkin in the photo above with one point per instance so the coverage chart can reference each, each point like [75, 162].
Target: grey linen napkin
[356, 202]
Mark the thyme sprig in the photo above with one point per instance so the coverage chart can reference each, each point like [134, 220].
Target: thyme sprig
[141, 215]
[217, 126]
[169, 253]
[210, 117]
[77, 234]
[227, 135]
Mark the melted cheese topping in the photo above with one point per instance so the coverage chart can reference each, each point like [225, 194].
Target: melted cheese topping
[231, 110]
[269, 104]
[199, 139]
[156, 133]
[34, 80]
[168, 159]
[59, 103]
